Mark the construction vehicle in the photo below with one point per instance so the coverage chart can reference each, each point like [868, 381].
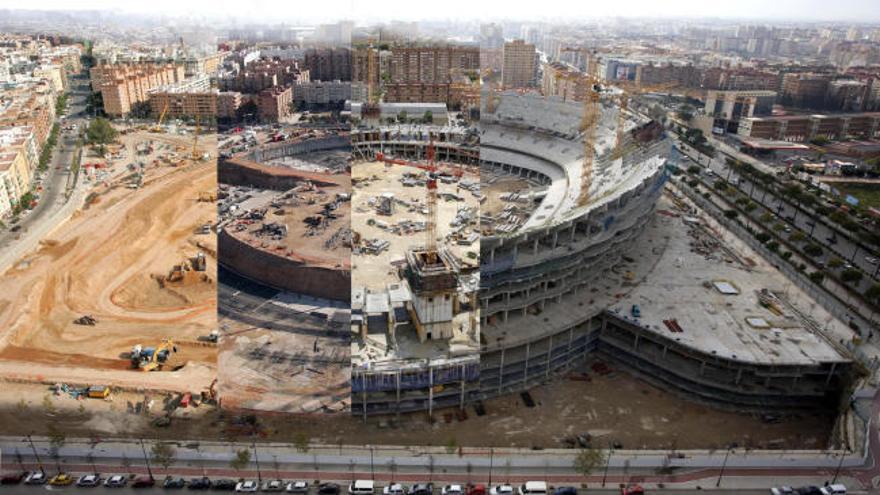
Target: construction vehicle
[98, 392]
[151, 358]
[635, 311]
[86, 320]
[208, 196]
[158, 127]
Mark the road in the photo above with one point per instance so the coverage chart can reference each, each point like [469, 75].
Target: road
[834, 246]
[57, 179]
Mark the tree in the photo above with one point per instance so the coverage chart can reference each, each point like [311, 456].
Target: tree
[57, 439]
[100, 132]
[763, 237]
[163, 454]
[813, 250]
[797, 236]
[241, 460]
[835, 262]
[451, 445]
[587, 460]
[817, 277]
[873, 293]
[731, 214]
[301, 442]
[401, 116]
[851, 275]
[428, 117]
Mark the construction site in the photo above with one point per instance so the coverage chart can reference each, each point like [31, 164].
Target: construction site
[122, 295]
[285, 241]
[415, 269]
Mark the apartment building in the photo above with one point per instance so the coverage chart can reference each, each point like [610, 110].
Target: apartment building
[192, 97]
[803, 128]
[273, 104]
[228, 103]
[519, 66]
[123, 86]
[29, 103]
[328, 64]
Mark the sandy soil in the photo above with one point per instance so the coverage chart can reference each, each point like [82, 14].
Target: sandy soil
[611, 408]
[110, 261]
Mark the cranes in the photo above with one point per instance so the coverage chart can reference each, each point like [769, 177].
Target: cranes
[588, 122]
[158, 128]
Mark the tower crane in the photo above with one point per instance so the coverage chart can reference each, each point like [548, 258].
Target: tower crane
[196, 156]
[627, 91]
[588, 122]
[162, 115]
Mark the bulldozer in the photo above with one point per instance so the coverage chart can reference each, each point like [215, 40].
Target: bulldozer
[86, 320]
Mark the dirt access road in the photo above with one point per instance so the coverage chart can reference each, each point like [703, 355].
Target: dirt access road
[111, 260]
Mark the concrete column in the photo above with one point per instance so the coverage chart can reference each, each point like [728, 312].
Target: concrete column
[636, 344]
[526, 367]
[739, 373]
[702, 367]
[461, 401]
[549, 355]
[535, 247]
[430, 392]
[501, 372]
[397, 407]
[492, 256]
[555, 239]
[830, 374]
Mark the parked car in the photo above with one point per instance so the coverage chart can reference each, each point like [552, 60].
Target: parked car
[632, 490]
[871, 260]
[782, 490]
[225, 485]
[273, 486]
[452, 490]
[89, 480]
[173, 483]
[501, 490]
[533, 488]
[61, 479]
[565, 490]
[199, 484]
[361, 487]
[36, 478]
[835, 489]
[12, 478]
[143, 482]
[298, 486]
[394, 489]
[116, 481]
[328, 489]
[248, 486]
[478, 489]
[421, 489]
[808, 490]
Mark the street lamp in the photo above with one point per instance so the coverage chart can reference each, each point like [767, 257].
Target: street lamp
[257, 462]
[723, 465]
[372, 467]
[146, 459]
[491, 462]
[839, 465]
[36, 455]
[607, 463]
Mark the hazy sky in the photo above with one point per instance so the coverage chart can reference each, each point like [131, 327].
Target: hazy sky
[317, 10]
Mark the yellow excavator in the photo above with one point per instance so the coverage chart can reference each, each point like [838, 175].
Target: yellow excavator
[151, 359]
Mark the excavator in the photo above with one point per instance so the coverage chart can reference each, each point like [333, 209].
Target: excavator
[151, 358]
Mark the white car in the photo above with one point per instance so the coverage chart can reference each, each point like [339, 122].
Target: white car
[452, 490]
[782, 490]
[395, 489]
[836, 489]
[871, 260]
[298, 486]
[248, 486]
[501, 490]
[273, 486]
[88, 480]
[116, 481]
[36, 478]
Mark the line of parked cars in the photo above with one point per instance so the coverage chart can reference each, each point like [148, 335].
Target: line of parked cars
[832, 489]
[302, 487]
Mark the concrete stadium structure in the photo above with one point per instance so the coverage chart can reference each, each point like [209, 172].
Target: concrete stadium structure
[551, 263]
[325, 275]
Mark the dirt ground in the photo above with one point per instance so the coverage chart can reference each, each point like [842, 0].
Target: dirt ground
[375, 271]
[615, 408]
[113, 260]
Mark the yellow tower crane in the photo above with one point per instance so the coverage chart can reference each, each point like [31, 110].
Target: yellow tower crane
[159, 128]
[628, 90]
[588, 122]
